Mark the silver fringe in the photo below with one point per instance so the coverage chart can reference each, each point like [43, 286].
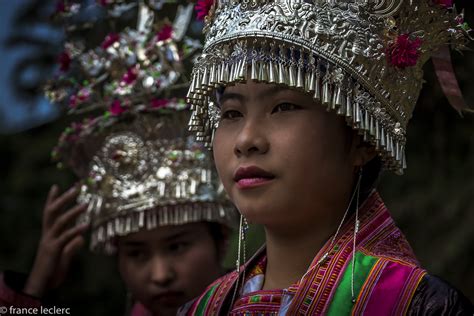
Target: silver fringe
[103, 236]
[301, 70]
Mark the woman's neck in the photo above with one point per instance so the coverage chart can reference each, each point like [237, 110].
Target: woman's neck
[288, 259]
[289, 255]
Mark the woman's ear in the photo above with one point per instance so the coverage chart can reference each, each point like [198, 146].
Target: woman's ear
[363, 152]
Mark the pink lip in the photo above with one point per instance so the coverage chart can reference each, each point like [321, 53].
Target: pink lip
[169, 298]
[251, 177]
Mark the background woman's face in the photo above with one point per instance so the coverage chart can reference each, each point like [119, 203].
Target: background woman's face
[278, 153]
[166, 267]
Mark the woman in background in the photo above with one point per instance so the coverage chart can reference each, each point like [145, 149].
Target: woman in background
[148, 192]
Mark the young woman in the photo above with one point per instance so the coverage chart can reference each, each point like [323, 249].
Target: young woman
[169, 235]
[312, 101]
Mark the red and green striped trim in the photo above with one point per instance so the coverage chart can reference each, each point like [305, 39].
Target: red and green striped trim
[341, 303]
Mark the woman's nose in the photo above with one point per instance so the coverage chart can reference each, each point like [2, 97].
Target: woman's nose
[251, 139]
[162, 272]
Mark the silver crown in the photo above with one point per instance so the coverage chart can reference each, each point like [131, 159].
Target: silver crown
[144, 172]
[360, 58]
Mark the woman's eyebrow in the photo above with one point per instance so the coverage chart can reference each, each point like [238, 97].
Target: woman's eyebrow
[225, 96]
[133, 243]
[272, 91]
[231, 96]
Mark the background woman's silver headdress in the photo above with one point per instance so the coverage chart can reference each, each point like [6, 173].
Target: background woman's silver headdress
[139, 167]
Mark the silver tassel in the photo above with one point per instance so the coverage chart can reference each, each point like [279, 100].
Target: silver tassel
[300, 77]
[190, 93]
[232, 72]
[326, 97]
[317, 88]
[349, 108]
[292, 76]
[339, 99]
[242, 74]
[366, 121]
[198, 82]
[236, 70]
[271, 72]
[281, 74]
[357, 115]
[225, 73]
[218, 75]
[165, 219]
[310, 81]
[291, 69]
[383, 142]
[212, 76]
[254, 70]
[377, 130]
[203, 176]
[300, 81]
[205, 79]
[128, 225]
[263, 75]
[371, 126]
[141, 220]
[390, 146]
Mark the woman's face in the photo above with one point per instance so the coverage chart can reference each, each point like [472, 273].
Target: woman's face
[166, 267]
[281, 156]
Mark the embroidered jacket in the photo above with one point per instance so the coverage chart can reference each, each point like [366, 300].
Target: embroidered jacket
[388, 279]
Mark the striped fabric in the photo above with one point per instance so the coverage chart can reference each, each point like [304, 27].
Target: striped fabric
[385, 279]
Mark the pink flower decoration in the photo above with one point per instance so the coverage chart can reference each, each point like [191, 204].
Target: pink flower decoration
[404, 52]
[83, 94]
[110, 40]
[165, 33]
[64, 60]
[130, 76]
[77, 127]
[116, 108]
[158, 103]
[202, 8]
[73, 101]
[444, 3]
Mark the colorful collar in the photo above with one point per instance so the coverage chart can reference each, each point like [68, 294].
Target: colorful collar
[386, 270]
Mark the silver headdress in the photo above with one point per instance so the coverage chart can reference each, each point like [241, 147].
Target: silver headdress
[360, 58]
[140, 168]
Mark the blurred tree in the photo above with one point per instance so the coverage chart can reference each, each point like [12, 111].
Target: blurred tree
[29, 44]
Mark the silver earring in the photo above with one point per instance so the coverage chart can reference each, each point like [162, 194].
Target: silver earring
[241, 253]
[356, 230]
[325, 256]
[242, 249]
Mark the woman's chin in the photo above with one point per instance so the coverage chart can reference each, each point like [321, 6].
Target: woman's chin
[259, 216]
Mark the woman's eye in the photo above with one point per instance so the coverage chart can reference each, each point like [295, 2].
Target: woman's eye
[136, 254]
[178, 247]
[285, 107]
[230, 115]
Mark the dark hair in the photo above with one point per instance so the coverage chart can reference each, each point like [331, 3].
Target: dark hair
[216, 231]
[218, 234]
[371, 172]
